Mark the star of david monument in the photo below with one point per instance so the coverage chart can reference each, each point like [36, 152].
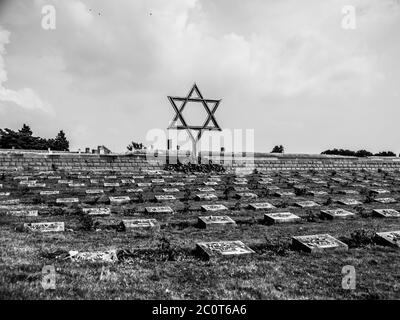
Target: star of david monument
[195, 132]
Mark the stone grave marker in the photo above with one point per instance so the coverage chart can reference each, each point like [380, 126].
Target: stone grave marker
[317, 193]
[164, 197]
[23, 213]
[36, 185]
[206, 196]
[216, 179]
[246, 195]
[110, 177]
[213, 207]
[284, 194]
[221, 249]
[94, 181]
[4, 194]
[391, 238]
[349, 192]
[111, 184]
[94, 191]
[273, 188]
[119, 200]
[386, 213]
[67, 200]
[49, 192]
[138, 190]
[210, 183]
[65, 181]
[160, 181]
[177, 184]
[144, 184]
[379, 191]
[337, 214]
[97, 211]
[240, 182]
[54, 177]
[95, 256]
[280, 217]
[349, 202]
[44, 226]
[159, 210]
[139, 224]
[137, 177]
[318, 243]
[261, 206]
[241, 189]
[207, 222]
[83, 177]
[385, 200]
[306, 204]
[127, 181]
[206, 189]
[171, 190]
[10, 202]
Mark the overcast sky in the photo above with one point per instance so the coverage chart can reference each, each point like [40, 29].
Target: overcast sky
[285, 68]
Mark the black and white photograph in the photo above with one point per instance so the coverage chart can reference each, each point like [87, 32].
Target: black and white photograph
[199, 156]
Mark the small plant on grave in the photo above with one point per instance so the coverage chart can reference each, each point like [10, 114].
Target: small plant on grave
[227, 191]
[328, 201]
[312, 216]
[333, 173]
[2, 177]
[237, 206]
[86, 222]
[53, 167]
[37, 200]
[166, 250]
[112, 190]
[139, 198]
[361, 237]
[279, 246]
[57, 211]
[283, 204]
[186, 195]
[362, 212]
[300, 192]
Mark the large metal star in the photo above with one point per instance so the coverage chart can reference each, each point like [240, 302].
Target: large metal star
[205, 102]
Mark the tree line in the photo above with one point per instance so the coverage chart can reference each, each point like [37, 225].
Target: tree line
[24, 139]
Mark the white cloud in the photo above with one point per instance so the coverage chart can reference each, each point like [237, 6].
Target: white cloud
[26, 97]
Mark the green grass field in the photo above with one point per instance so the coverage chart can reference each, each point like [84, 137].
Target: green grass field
[165, 265]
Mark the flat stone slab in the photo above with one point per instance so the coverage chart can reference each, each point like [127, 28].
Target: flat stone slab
[379, 191]
[280, 217]
[110, 177]
[10, 202]
[158, 181]
[246, 195]
[261, 206]
[49, 193]
[65, 181]
[222, 249]
[385, 200]
[94, 191]
[337, 214]
[349, 192]
[95, 256]
[137, 177]
[206, 189]
[349, 202]
[213, 208]
[215, 222]
[177, 184]
[210, 183]
[138, 224]
[67, 200]
[36, 185]
[144, 184]
[76, 185]
[159, 210]
[138, 190]
[23, 213]
[318, 243]
[171, 190]
[164, 197]
[391, 238]
[272, 188]
[317, 193]
[206, 196]
[285, 194]
[111, 184]
[97, 211]
[386, 213]
[119, 200]
[4, 194]
[127, 181]
[239, 183]
[306, 204]
[44, 226]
